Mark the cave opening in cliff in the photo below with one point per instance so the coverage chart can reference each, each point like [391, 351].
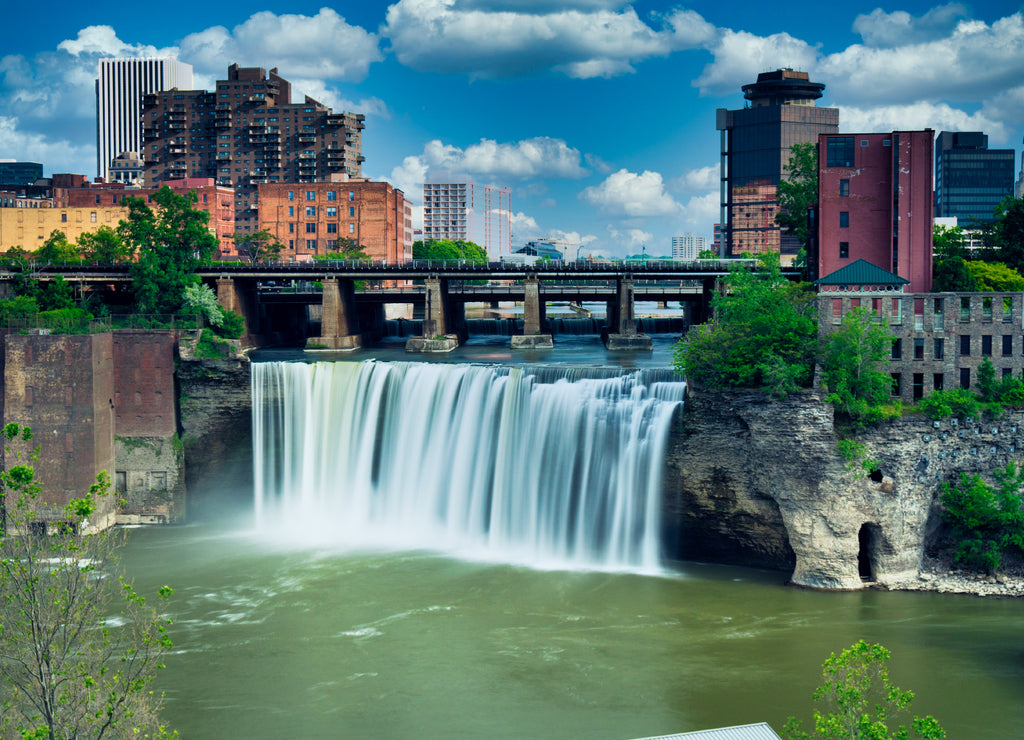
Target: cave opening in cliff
[869, 539]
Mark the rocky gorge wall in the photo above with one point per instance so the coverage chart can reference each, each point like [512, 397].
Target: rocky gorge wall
[759, 482]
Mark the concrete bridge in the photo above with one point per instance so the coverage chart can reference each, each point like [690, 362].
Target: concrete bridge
[446, 287]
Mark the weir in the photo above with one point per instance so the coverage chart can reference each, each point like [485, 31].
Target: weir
[549, 467]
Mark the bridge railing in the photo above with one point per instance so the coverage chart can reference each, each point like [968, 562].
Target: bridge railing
[65, 322]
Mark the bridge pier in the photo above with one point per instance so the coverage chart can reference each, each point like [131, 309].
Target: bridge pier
[339, 326]
[234, 294]
[533, 336]
[621, 333]
[438, 335]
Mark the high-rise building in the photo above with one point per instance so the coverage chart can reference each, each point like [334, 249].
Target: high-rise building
[688, 246]
[459, 209]
[755, 148]
[13, 172]
[970, 178]
[875, 204]
[245, 133]
[119, 90]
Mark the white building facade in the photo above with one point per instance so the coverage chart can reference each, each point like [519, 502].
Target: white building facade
[686, 247]
[119, 90]
[460, 209]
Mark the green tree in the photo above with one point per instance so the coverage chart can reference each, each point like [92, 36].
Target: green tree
[349, 249]
[861, 701]
[995, 276]
[65, 671]
[854, 358]
[948, 241]
[952, 275]
[1007, 231]
[987, 522]
[171, 242]
[798, 190]
[57, 250]
[260, 246]
[763, 334]
[55, 295]
[447, 249]
[104, 246]
[200, 299]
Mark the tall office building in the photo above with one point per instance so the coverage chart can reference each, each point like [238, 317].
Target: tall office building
[119, 90]
[459, 209]
[245, 133]
[688, 246]
[875, 204]
[755, 148]
[970, 178]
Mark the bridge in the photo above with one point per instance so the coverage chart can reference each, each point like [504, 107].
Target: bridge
[446, 286]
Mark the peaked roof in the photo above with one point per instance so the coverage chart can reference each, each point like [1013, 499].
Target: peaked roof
[861, 272]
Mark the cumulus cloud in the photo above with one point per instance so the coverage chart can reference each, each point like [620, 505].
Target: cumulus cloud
[524, 228]
[700, 211]
[628, 194]
[917, 116]
[739, 56]
[879, 28]
[16, 143]
[630, 240]
[700, 180]
[587, 39]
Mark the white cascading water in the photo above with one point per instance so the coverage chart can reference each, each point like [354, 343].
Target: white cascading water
[479, 462]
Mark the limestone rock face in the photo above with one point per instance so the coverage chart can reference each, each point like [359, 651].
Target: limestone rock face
[759, 482]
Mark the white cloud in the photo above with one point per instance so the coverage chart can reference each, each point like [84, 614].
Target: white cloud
[740, 56]
[32, 147]
[586, 40]
[524, 228]
[631, 195]
[917, 116]
[698, 181]
[700, 212]
[631, 240]
[879, 28]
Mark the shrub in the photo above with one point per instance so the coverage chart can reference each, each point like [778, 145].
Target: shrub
[232, 325]
[943, 404]
[210, 346]
[987, 522]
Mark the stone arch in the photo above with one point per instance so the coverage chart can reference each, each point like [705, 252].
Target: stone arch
[869, 540]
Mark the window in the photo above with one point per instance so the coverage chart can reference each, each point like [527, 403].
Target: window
[291, 228]
[1007, 372]
[310, 210]
[896, 377]
[310, 195]
[92, 216]
[986, 345]
[844, 188]
[332, 211]
[291, 195]
[839, 152]
[310, 228]
[352, 211]
[332, 195]
[351, 228]
[332, 228]
[1007, 345]
[863, 142]
[940, 349]
[291, 210]
[63, 218]
[937, 381]
[919, 348]
[844, 219]
[844, 250]
[965, 377]
[918, 386]
[965, 345]
[897, 349]
[351, 195]
[311, 244]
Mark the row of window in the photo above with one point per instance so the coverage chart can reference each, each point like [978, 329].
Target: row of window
[331, 228]
[329, 211]
[939, 347]
[330, 195]
[938, 381]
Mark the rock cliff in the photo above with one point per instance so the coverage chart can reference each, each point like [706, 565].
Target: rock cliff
[760, 482]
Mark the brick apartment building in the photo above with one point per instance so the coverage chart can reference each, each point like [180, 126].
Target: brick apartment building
[246, 133]
[309, 218]
[875, 203]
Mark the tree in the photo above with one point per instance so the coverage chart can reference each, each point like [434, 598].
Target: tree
[861, 701]
[952, 275]
[200, 299]
[349, 249]
[798, 191]
[995, 276]
[948, 241]
[104, 246]
[987, 522]
[57, 250]
[763, 334]
[171, 242]
[1007, 231]
[65, 672]
[447, 249]
[853, 360]
[260, 246]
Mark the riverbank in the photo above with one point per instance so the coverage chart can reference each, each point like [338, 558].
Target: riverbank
[941, 575]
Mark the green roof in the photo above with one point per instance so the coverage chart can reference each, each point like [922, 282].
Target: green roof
[861, 272]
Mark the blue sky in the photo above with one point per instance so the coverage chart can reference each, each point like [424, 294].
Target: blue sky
[598, 114]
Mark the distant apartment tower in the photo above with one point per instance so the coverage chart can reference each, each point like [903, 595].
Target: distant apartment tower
[246, 133]
[119, 90]
[459, 209]
[688, 246]
[970, 178]
[755, 148]
[875, 203]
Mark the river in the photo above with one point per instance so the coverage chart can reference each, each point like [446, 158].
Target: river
[281, 637]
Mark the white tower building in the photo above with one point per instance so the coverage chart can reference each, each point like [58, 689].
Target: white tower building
[119, 90]
[685, 248]
[459, 209]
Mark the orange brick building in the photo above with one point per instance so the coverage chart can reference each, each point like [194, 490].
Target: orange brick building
[309, 218]
[216, 200]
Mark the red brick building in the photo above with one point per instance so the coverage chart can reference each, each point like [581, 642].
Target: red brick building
[875, 203]
[309, 218]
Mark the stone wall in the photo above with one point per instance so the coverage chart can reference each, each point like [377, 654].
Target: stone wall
[761, 483]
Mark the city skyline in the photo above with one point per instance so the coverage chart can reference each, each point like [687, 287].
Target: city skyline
[599, 115]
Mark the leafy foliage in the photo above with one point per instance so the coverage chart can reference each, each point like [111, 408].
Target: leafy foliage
[447, 249]
[1007, 232]
[57, 250]
[260, 246]
[995, 276]
[952, 275]
[232, 325]
[200, 299]
[987, 522]
[104, 246]
[65, 672]
[861, 701]
[764, 334]
[171, 242]
[851, 358]
[349, 249]
[956, 402]
[798, 190]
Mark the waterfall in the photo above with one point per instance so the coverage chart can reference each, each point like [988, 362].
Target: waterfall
[498, 463]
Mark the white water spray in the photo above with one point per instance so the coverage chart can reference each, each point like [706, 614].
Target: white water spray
[481, 462]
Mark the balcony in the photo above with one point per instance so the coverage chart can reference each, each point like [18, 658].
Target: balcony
[221, 156]
[306, 138]
[307, 156]
[334, 120]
